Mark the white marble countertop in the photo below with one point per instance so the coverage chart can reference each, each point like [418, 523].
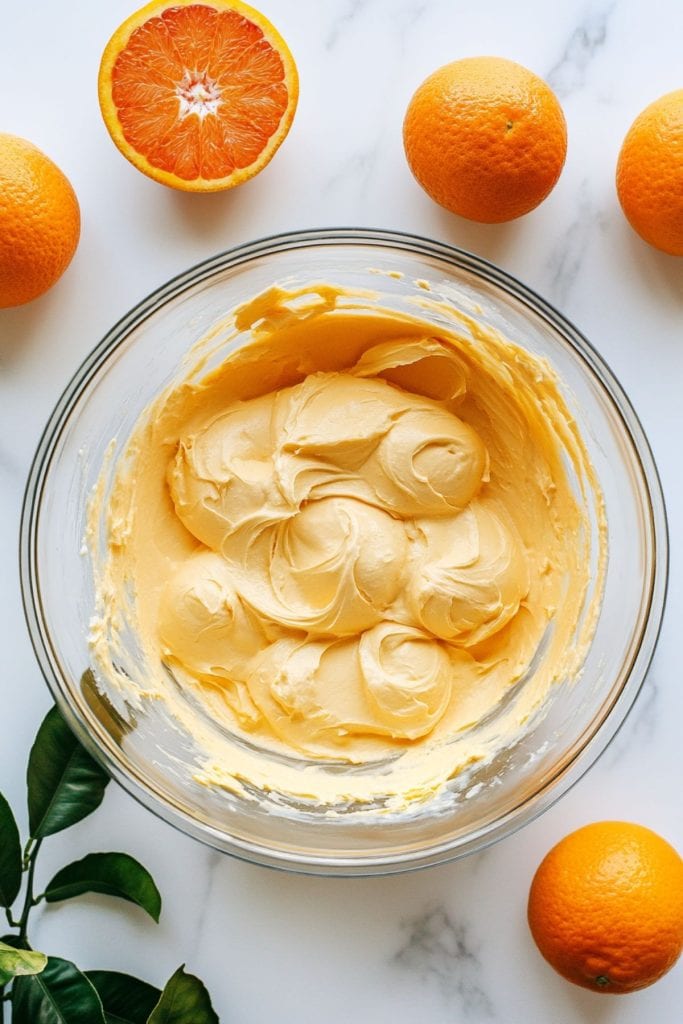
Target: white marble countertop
[448, 944]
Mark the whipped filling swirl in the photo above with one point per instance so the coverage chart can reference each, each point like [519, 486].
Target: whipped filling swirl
[357, 539]
[348, 551]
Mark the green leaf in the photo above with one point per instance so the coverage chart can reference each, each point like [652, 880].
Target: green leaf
[64, 783]
[126, 1000]
[10, 855]
[15, 963]
[114, 874]
[183, 1001]
[60, 995]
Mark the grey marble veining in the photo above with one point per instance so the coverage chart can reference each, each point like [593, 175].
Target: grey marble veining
[396, 17]
[642, 725]
[442, 952]
[646, 711]
[347, 13]
[566, 257]
[203, 907]
[586, 41]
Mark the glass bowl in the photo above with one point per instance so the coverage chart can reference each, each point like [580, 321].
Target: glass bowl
[146, 752]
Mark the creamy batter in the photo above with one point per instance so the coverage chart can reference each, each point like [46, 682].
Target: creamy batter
[345, 543]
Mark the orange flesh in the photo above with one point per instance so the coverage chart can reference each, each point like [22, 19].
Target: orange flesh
[199, 92]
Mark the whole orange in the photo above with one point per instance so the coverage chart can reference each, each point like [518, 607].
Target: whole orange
[486, 138]
[650, 174]
[606, 907]
[39, 221]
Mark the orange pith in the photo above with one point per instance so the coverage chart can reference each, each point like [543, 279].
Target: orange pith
[198, 95]
[606, 907]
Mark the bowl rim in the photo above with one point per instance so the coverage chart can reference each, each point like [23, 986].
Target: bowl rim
[584, 752]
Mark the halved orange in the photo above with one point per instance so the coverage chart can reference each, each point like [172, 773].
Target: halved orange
[198, 95]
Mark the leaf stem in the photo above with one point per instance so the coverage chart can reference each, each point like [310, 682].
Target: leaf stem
[26, 861]
[10, 920]
[30, 856]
